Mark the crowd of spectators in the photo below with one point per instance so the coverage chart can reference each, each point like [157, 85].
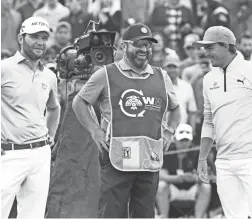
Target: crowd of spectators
[176, 24]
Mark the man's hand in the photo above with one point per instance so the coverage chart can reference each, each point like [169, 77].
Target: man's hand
[189, 177]
[54, 151]
[50, 141]
[2, 152]
[99, 137]
[202, 171]
[168, 137]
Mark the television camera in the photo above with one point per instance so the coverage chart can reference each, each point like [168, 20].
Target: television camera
[93, 48]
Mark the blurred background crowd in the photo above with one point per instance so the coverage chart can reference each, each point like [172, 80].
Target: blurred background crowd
[176, 24]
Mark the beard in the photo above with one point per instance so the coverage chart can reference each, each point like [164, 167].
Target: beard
[28, 50]
[139, 62]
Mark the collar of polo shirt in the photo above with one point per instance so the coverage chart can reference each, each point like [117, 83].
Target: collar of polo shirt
[19, 58]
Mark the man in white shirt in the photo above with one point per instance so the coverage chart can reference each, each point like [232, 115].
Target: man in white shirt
[227, 91]
[28, 88]
[183, 90]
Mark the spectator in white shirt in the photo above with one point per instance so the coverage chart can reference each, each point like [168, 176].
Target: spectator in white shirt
[183, 90]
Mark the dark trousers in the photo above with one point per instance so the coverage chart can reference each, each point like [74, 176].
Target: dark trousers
[126, 194]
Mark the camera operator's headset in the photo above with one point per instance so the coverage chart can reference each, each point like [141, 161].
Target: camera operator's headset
[60, 60]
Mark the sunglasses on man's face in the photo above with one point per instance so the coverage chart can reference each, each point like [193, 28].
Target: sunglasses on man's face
[141, 43]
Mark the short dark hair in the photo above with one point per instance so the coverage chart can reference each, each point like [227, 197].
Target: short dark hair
[231, 48]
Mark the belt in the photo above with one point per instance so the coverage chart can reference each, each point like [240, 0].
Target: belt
[9, 146]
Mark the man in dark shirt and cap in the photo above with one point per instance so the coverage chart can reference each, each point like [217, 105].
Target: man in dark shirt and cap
[134, 131]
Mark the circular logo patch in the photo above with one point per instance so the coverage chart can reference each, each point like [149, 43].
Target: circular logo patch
[144, 30]
[131, 103]
[146, 163]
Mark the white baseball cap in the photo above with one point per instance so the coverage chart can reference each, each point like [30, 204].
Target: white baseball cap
[190, 39]
[172, 59]
[216, 34]
[35, 24]
[51, 65]
[184, 131]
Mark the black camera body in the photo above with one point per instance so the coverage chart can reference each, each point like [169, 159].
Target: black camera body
[99, 46]
[89, 50]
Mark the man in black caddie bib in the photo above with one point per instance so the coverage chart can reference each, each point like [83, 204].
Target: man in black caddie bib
[135, 130]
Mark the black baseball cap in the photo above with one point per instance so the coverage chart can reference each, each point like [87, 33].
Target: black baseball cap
[138, 32]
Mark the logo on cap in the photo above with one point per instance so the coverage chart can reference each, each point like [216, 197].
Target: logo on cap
[144, 30]
[39, 24]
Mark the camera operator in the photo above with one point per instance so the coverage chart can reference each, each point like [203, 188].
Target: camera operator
[75, 184]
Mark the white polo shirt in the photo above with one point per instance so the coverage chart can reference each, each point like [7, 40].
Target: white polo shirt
[186, 99]
[24, 98]
[228, 113]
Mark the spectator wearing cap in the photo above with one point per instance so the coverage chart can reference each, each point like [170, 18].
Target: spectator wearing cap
[28, 88]
[227, 91]
[183, 90]
[10, 25]
[178, 177]
[53, 12]
[62, 36]
[245, 45]
[190, 55]
[132, 142]
[79, 16]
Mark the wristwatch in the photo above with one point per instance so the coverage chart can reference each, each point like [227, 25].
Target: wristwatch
[171, 130]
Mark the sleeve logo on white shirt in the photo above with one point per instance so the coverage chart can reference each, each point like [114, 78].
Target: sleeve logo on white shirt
[215, 86]
[44, 86]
